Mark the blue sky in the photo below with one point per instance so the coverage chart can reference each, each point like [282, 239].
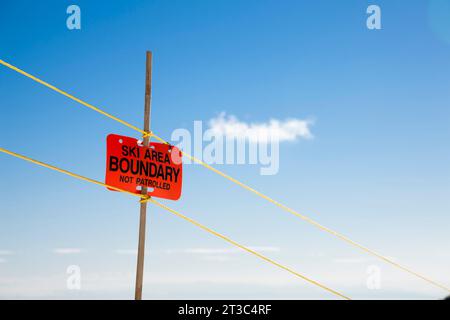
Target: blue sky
[376, 170]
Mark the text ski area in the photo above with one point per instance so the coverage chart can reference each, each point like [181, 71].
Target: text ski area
[147, 170]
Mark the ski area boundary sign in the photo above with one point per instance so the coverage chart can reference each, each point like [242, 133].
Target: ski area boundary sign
[131, 166]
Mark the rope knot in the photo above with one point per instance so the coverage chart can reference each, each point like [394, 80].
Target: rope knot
[147, 134]
[145, 199]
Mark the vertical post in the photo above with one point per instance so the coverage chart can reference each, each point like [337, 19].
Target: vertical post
[143, 209]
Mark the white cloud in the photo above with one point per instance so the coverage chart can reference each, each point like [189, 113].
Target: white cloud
[170, 284]
[218, 258]
[220, 254]
[351, 260]
[283, 130]
[5, 253]
[225, 251]
[127, 251]
[356, 260]
[67, 250]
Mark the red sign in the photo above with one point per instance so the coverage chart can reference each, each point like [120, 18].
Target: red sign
[131, 166]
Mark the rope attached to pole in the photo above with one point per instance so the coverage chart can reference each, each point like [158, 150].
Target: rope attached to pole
[239, 183]
[209, 230]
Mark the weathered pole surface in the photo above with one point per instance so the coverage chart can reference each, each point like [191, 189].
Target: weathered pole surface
[143, 206]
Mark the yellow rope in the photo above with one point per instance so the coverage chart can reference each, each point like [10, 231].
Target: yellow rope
[90, 106]
[147, 134]
[278, 204]
[69, 173]
[309, 220]
[247, 249]
[147, 198]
